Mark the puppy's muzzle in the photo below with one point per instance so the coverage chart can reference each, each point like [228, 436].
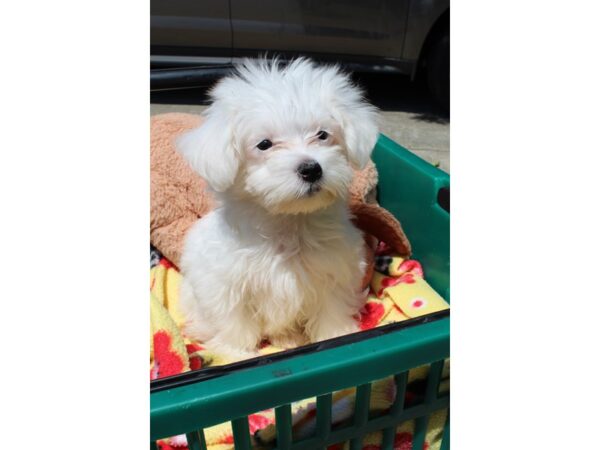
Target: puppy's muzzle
[310, 171]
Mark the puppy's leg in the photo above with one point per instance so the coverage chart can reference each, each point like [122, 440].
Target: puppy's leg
[238, 336]
[289, 339]
[238, 340]
[222, 325]
[336, 317]
[197, 326]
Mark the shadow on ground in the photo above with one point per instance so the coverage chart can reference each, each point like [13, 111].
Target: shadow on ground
[386, 91]
[398, 93]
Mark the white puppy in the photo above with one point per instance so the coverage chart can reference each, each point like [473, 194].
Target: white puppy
[280, 258]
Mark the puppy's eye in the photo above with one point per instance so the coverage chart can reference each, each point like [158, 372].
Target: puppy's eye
[264, 144]
[322, 135]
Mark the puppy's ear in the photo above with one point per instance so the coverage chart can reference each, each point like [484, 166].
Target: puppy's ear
[360, 130]
[210, 151]
[358, 119]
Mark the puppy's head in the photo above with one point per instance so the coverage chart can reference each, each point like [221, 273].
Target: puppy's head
[283, 137]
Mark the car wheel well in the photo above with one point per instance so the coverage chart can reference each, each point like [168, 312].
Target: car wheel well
[439, 28]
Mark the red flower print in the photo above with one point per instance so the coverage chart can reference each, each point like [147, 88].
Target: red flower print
[412, 266]
[166, 263]
[403, 441]
[418, 303]
[194, 359]
[386, 282]
[258, 422]
[166, 361]
[407, 278]
[370, 315]
[225, 440]
[195, 363]
[389, 281]
[162, 445]
[193, 348]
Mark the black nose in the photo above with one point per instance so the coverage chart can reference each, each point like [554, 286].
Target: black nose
[310, 171]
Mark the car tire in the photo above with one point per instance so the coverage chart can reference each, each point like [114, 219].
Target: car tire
[438, 70]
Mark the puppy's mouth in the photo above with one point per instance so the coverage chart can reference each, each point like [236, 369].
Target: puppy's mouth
[313, 189]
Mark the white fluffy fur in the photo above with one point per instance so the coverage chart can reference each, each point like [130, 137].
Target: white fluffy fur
[280, 258]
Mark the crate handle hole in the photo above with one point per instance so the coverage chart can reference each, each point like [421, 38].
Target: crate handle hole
[443, 198]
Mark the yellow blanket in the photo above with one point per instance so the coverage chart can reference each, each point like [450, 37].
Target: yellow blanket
[398, 292]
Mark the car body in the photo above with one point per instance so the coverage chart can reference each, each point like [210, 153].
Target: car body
[366, 35]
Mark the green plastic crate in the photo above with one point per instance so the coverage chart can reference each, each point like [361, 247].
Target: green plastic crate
[413, 191]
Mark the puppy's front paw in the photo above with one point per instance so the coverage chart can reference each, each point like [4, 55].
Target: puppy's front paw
[289, 340]
[235, 341]
[226, 353]
[329, 330]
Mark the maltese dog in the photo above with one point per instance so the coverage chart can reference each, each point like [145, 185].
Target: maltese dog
[279, 259]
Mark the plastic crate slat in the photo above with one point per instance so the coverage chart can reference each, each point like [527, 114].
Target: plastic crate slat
[196, 440]
[356, 443]
[446, 436]
[361, 406]
[361, 413]
[387, 441]
[433, 380]
[283, 423]
[241, 433]
[323, 416]
[419, 433]
[401, 381]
